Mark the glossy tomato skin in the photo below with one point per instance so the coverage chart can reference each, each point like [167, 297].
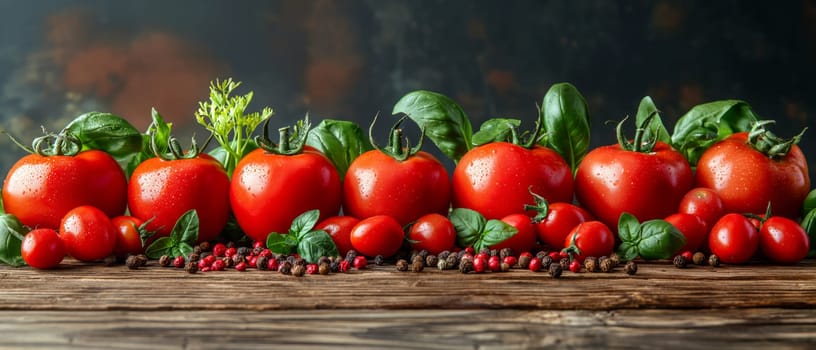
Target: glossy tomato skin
[593, 238]
[783, 241]
[610, 181]
[339, 229]
[432, 232]
[42, 248]
[40, 190]
[692, 227]
[378, 184]
[377, 235]
[524, 240]
[561, 219]
[747, 180]
[495, 179]
[734, 239]
[704, 203]
[165, 189]
[87, 234]
[268, 191]
[128, 238]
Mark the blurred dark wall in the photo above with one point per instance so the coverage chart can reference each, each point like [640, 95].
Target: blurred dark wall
[351, 59]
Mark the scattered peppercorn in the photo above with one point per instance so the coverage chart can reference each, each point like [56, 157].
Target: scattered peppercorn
[164, 261]
[272, 264]
[285, 268]
[505, 252]
[714, 260]
[311, 269]
[524, 261]
[237, 259]
[541, 254]
[335, 266]
[323, 268]
[262, 263]
[431, 260]
[575, 266]
[616, 260]
[402, 265]
[453, 261]
[133, 262]
[698, 258]
[417, 258]
[510, 260]
[479, 264]
[193, 257]
[555, 270]
[564, 262]
[606, 264]
[228, 261]
[680, 261]
[178, 262]
[257, 250]
[197, 250]
[350, 255]
[443, 255]
[205, 246]
[360, 262]
[219, 250]
[494, 263]
[417, 266]
[345, 265]
[504, 267]
[110, 260]
[546, 262]
[230, 244]
[191, 267]
[243, 251]
[298, 270]
[465, 266]
[379, 260]
[591, 264]
[485, 251]
[442, 264]
[630, 268]
[534, 265]
[218, 265]
[241, 267]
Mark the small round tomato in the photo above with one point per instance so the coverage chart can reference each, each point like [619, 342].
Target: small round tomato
[561, 219]
[524, 240]
[692, 227]
[432, 232]
[339, 229]
[377, 235]
[592, 238]
[703, 202]
[734, 239]
[42, 249]
[87, 233]
[128, 237]
[783, 241]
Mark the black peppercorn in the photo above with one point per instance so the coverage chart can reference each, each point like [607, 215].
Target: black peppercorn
[350, 255]
[564, 262]
[197, 250]
[322, 260]
[334, 266]
[191, 267]
[285, 268]
[546, 262]
[193, 257]
[298, 270]
[205, 246]
[228, 261]
[616, 260]
[262, 263]
[379, 260]
[630, 268]
[485, 251]
[541, 254]
[300, 261]
[442, 264]
[555, 270]
[243, 251]
[257, 250]
[323, 268]
[465, 266]
[591, 264]
[606, 264]
[237, 259]
[460, 254]
[504, 267]
[714, 260]
[110, 260]
[431, 260]
[505, 252]
[402, 265]
[698, 258]
[524, 261]
[494, 252]
[443, 255]
[680, 262]
[453, 261]
[165, 260]
[417, 266]
[418, 258]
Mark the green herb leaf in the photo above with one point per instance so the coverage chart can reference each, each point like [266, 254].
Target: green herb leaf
[627, 251]
[341, 141]
[494, 130]
[708, 123]
[11, 240]
[655, 126]
[159, 247]
[186, 228]
[629, 228]
[566, 122]
[279, 243]
[304, 223]
[809, 224]
[106, 132]
[495, 232]
[444, 121]
[659, 240]
[221, 155]
[315, 244]
[469, 225]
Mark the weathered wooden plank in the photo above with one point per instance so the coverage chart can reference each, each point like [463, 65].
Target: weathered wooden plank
[410, 329]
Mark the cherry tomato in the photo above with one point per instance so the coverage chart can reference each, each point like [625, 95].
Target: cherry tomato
[747, 179]
[377, 235]
[40, 190]
[495, 179]
[87, 233]
[42, 248]
[339, 229]
[163, 190]
[692, 227]
[524, 240]
[704, 203]
[611, 180]
[783, 241]
[128, 237]
[561, 219]
[270, 190]
[432, 232]
[592, 238]
[734, 239]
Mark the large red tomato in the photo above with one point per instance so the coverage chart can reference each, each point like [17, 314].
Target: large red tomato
[269, 190]
[649, 185]
[496, 179]
[165, 189]
[747, 179]
[40, 190]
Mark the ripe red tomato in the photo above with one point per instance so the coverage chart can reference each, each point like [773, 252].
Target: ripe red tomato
[524, 240]
[40, 190]
[42, 248]
[704, 203]
[128, 237]
[692, 227]
[783, 241]
[734, 239]
[496, 179]
[611, 180]
[432, 232]
[592, 238]
[165, 189]
[377, 235]
[339, 229]
[561, 219]
[87, 233]
[270, 190]
[747, 180]
[378, 184]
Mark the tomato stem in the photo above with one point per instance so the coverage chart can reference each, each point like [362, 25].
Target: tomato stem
[638, 144]
[766, 142]
[398, 147]
[62, 144]
[541, 206]
[175, 151]
[291, 140]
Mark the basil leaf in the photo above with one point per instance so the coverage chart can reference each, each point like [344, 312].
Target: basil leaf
[444, 121]
[184, 249]
[495, 232]
[494, 130]
[304, 223]
[628, 228]
[655, 127]
[469, 225]
[106, 132]
[159, 247]
[11, 240]
[708, 123]
[659, 240]
[341, 141]
[315, 244]
[566, 122]
[186, 228]
[280, 244]
[809, 224]
[627, 251]
[161, 129]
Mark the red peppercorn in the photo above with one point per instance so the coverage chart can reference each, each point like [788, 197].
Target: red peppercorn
[555, 256]
[219, 249]
[527, 254]
[178, 261]
[252, 261]
[231, 251]
[482, 256]
[209, 259]
[205, 269]
[242, 266]
[575, 266]
[470, 250]
[218, 265]
[266, 252]
[296, 255]
[467, 256]
[344, 266]
[272, 265]
[311, 269]
[202, 264]
[535, 264]
[494, 263]
[360, 262]
[479, 265]
[258, 244]
[510, 260]
[688, 255]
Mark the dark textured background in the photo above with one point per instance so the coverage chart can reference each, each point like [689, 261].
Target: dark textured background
[351, 59]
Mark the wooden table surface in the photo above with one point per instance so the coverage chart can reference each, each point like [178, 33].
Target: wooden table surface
[92, 306]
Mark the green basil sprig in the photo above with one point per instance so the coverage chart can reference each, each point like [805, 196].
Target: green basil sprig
[341, 141]
[444, 121]
[566, 122]
[473, 230]
[809, 224]
[708, 123]
[181, 240]
[653, 239]
[106, 132]
[302, 238]
[11, 240]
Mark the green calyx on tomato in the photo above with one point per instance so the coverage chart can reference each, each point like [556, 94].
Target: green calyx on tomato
[650, 240]
[50, 144]
[473, 230]
[181, 240]
[398, 147]
[302, 238]
[291, 140]
[174, 150]
[541, 207]
[768, 143]
[644, 141]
